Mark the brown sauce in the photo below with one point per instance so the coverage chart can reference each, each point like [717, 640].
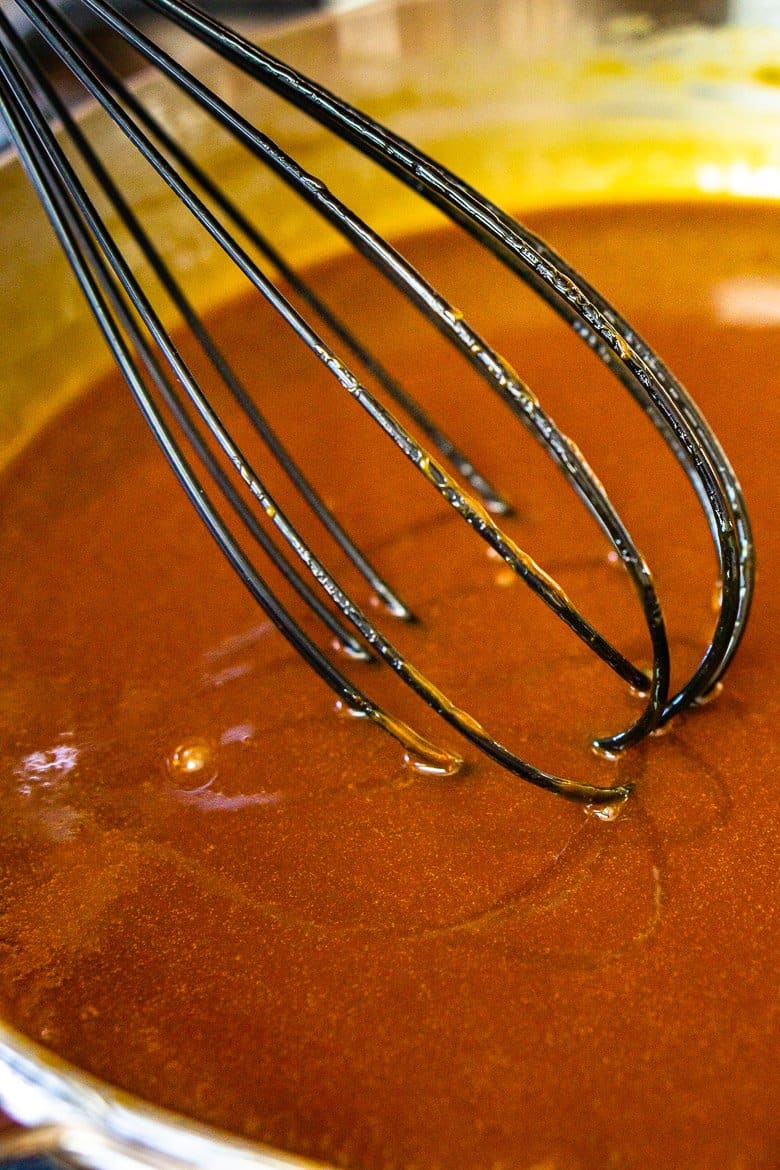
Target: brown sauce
[222, 897]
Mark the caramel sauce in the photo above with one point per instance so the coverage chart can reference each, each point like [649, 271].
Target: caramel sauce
[221, 896]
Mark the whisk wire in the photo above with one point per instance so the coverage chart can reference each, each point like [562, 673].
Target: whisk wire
[130, 323]
[388, 261]
[53, 28]
[495, 502]
[627, 354]
[489, 364]
[82, 232]
[58, 188]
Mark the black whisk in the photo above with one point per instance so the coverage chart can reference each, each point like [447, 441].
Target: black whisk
[159, 377]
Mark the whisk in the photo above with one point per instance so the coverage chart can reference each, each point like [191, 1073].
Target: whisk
[167, 391]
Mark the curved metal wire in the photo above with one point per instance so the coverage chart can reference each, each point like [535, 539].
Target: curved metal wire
[53, 28]
[99, 267]
[443, 315]
[131, 325]
[618, 345]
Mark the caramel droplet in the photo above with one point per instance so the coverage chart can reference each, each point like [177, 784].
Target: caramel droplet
[190, 758]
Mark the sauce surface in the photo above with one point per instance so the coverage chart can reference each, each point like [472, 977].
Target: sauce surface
[221, 896]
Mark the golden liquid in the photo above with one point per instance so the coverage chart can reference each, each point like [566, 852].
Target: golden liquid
[219, 895]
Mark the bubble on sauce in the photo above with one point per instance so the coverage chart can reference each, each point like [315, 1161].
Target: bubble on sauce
[192, 760]
[505, 578]
[606, 812]
[604, 753]
[436, 762]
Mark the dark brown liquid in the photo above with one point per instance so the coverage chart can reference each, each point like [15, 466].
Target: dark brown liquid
[221, 896]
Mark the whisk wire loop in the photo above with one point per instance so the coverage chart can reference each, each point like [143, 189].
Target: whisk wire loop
[627, 354]
[58, 189]
[83, 234]
[49, 24]
[495, 503]
[131, 325]
[487, 362]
